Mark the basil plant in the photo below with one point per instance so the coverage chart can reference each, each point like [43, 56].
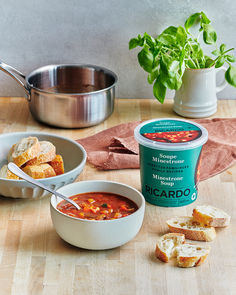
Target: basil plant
[166, 57]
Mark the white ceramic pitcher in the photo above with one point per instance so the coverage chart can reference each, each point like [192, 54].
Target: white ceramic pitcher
[197, 96]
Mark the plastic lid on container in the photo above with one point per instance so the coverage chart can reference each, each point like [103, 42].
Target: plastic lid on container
[170, 134]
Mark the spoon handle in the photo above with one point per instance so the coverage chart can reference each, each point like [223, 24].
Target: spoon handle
[17, 171]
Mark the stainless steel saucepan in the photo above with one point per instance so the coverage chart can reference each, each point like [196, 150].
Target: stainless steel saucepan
[68, 96]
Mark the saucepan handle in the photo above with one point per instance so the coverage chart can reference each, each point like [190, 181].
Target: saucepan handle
[12, 72]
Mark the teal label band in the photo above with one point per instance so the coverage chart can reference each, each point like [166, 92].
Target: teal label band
[169, 178]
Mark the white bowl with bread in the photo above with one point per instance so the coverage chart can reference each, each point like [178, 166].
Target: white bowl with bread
[53, 160]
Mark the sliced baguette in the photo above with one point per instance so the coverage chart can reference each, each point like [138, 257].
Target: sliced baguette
[9, 156]
[57, 164]
[191, 229]
[35, 171]
[48, 170]
[166, 245]
[47, 153]
[210, 216]
[25, 150]
[189, 255]
[5, 173]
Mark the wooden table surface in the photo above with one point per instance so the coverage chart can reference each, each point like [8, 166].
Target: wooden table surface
[34, 260]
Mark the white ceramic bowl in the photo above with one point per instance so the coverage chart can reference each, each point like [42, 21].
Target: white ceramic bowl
[98, 234]
[73, 154]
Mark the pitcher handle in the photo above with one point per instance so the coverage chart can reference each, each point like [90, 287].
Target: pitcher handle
[9, 70]
[224, 83]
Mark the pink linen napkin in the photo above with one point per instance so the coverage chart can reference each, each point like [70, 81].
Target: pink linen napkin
[116, 147]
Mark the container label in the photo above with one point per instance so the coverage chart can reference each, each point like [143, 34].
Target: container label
[171, 131]
[169, 178]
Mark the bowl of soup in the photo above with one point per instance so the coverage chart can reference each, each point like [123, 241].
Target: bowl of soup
[110, 215]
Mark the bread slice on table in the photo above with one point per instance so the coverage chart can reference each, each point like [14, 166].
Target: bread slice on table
[191, 229]
[25, 150]
[6, 173]
[189, 255]
[166, 245]
[210, 216]
[57, 164]
[47, 153]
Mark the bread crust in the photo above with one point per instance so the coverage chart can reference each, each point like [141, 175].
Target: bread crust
[199, 255]
[191, 261]
[20, 155]
[198, 233]
[6, 173]
[35, 171]
[160, 253]
[208, 219]
[57, 164]
[47, 153]
[48, 170]
[9, 156]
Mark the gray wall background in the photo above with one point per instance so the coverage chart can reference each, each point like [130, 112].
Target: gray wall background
[35, 33]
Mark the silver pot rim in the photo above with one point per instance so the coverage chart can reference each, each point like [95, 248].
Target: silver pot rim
[76, 65]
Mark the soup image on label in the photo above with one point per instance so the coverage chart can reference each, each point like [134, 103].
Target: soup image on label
[173, 136]
[98, 206]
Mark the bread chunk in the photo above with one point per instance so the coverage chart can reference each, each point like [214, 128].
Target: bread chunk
[35, 171]
[48, 170]
[191, 229]
[6, 173]
[25, 150]
[210, 216]
[57, 164]
[166, 245]
[189, 255]
[47, 153]
[9, 156]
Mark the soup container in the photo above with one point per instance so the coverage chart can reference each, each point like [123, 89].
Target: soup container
[170, 158]
[98, 234]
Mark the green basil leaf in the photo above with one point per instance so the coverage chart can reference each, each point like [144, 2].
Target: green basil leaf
[181, 36]
[159, 90]
[209, 34]
[204, 19]
[194, 18]
[222, 48]
[149, 40]
[164, 61]
[216, 52]
[196, 51]
[182, 63]
[173, 66]
[152, 76]
[170, 31]
[230, 76]
[200, 53]
[189, 64]
[166, 39]
[220, 62]
[230, 58]
[145, 58]
[174, 82]
[169, 66]
[209, 63]
[134, 42]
